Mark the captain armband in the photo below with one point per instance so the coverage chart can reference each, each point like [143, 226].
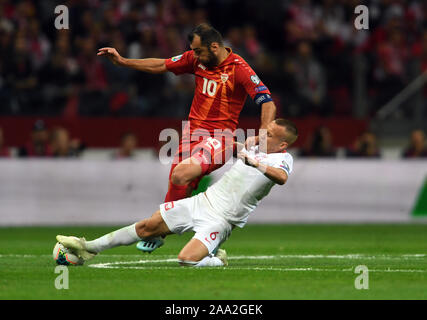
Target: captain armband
[262, 98]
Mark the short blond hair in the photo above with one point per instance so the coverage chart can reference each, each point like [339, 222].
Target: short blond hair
[291, 130]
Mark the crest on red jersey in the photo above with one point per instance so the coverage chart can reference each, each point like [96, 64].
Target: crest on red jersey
[255, 79]
[224, 77]
[176, 58]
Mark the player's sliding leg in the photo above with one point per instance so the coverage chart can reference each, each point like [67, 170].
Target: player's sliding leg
[184, 177]
[202, 250]
[145, 229]
[151, 231]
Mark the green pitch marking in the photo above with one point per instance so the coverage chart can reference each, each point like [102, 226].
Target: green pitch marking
[420, 208]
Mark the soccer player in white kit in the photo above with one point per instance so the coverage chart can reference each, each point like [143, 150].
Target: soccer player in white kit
[212, 214]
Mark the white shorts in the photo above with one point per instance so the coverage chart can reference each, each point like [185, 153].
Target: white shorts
[196, 214]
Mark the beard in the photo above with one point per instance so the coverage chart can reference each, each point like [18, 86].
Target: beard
[212, 60]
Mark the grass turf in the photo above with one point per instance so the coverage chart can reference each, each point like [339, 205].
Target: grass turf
[266, 262]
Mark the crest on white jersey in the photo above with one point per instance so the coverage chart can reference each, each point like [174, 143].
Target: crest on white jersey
[224, 77]
[285, 166]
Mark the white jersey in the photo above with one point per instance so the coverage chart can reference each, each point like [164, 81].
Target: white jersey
[240, 189]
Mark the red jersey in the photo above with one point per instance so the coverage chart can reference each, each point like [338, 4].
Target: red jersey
[220, 91]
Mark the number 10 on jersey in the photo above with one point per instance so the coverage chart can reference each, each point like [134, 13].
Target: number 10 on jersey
[209, 87]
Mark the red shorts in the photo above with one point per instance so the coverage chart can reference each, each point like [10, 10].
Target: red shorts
[211, 152]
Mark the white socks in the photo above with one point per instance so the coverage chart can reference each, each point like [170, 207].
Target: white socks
[208, 261]
[122, 237]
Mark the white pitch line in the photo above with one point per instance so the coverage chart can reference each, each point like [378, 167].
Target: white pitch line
[280, 256]
[104, 266]
[332, 256]
[122, 264]
[109, 264]
[351, 256]
[100, 256]
[167, 258]
[22, 255]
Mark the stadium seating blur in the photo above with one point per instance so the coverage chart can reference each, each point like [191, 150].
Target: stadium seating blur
[322, 72]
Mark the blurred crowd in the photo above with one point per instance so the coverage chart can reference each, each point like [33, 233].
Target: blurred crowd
[56, 143]
[304, 50]
[320, 145]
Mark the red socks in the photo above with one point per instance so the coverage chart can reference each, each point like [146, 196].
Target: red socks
[176, 192]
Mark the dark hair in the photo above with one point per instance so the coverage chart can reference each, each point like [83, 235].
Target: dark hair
[291, 130]
[207, 35]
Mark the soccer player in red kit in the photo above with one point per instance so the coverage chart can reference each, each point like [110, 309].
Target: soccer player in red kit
[223, 82]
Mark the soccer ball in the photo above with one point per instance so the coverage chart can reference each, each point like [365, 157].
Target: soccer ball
[65, 257]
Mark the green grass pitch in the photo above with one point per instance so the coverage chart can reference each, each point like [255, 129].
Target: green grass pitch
[265, 262]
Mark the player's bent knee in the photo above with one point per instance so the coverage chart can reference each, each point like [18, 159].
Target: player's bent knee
[184, 173]
[148, 231]
[139, 228]
[145, 229]
[179, 177]
[146, 234]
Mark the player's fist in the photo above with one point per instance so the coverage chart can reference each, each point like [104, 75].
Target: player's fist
[112, 54]
[251, 141]
[238, 146]
[248, 160]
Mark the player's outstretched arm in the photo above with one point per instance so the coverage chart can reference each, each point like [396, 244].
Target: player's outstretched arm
[276, 175]
[268, 114]
[149, 65]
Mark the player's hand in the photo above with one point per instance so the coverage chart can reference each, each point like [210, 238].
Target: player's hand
[111, 54]
[248, 160]
[251, 141]
[239, 146]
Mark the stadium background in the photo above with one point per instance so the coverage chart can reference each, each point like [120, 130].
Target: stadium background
[59, 100]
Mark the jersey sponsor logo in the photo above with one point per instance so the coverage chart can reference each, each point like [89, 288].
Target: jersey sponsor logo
[260, 88]
[176, 58]
[169, 205]
[255, 79]
[224, 77]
